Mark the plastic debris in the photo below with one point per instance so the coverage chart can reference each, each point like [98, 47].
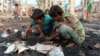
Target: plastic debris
[10, 49]
[44, 48]
[16, 30]
[21, 48]
[4, 35]
[32, 47]
[57, 51]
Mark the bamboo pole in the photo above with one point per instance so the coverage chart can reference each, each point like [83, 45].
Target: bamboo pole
[46, 4]
[72, 7]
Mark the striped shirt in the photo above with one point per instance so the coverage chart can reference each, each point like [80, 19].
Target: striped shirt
[79, 27]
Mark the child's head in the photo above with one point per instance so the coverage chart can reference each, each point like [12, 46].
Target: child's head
[38, 15]
[30, 11]
[56, 12]
[46, 11]
[16, 5]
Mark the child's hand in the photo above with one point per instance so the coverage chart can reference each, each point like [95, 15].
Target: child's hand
[59, 24]
[41, 36]
[24, 36]
[48, 38]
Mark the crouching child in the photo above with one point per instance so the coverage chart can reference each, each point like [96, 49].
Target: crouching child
[66, 26]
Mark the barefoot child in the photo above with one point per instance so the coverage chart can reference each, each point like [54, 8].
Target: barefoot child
[67, 26]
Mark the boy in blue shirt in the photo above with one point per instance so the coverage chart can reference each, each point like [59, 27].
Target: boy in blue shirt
[41, 22]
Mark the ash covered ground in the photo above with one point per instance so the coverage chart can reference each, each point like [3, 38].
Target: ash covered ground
[86, 49]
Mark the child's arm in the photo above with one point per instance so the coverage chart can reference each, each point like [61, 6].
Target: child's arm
[29, 27]
[26, 31]
[70, 23]
[38, 29]
[56, 26]
[53, 36]
[54, 33]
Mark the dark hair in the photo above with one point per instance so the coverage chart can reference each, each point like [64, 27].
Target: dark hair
[54, 10]
[37, 14]
[16, 4]
[46, 10]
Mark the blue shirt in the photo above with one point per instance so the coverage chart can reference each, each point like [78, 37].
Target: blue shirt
[46, 25]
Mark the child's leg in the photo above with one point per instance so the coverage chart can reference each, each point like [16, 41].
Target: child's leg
[67, 32]
[81, 34]
[90, 16]
[15, 16]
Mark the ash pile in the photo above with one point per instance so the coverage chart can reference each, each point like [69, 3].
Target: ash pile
[11, 44]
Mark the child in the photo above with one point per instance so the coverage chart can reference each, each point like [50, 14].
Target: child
[67, 26]
[42, 23]
[16, 12]
[89, 10]
[47, 11]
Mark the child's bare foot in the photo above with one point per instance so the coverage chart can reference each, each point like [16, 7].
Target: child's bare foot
[71, 44]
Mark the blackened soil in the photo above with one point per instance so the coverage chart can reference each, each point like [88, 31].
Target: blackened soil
[87, 47]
